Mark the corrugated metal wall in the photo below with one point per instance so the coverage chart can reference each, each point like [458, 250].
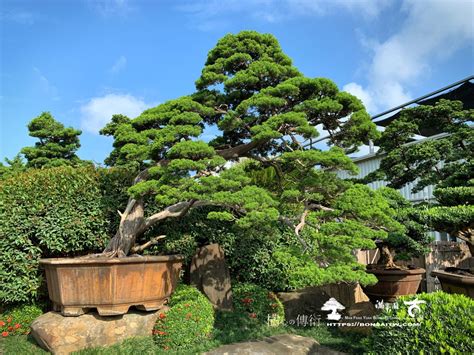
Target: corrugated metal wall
[372, 163]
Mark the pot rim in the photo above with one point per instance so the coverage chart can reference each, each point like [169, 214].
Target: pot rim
[104, 260]
[416, 271]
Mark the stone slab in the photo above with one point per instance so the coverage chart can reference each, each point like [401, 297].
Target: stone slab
[210, 274]
[275, 345]
[64, 335]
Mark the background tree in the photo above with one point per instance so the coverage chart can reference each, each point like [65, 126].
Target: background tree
[57, 144]
[266, 114]
[15, 166]
[446, 162]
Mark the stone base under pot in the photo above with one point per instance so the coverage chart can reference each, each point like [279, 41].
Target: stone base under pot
[63, 335]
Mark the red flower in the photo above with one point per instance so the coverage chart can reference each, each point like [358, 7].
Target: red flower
[247, 300]
[162, 316]
[10, 329]
[9, 320]
[253, 315]
[2, 323]
[4, 334]
[17, 326]
[160, 332]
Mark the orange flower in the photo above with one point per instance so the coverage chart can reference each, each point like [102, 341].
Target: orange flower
[4, 334]
[2, 323]
[160, 332]
[17, 326]
[10, 329]
[9, 320]
[162, 316]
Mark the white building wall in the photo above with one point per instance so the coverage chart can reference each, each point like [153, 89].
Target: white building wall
[371, 163]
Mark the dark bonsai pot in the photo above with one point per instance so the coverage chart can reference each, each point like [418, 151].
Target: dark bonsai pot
[456, 280]
[393, 283]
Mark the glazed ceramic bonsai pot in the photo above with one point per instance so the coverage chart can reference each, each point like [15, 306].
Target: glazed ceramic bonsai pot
[111, 285]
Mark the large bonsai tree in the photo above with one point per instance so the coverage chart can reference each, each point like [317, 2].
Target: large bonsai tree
[265, 115]
[445, 161]
[56, 146]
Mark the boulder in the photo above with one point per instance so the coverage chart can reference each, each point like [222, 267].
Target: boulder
[359, 318]
[303, 303]
[210, 274]
[63, 335]
[309, 301]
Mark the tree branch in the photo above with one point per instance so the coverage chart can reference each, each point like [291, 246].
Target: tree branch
[152, 241]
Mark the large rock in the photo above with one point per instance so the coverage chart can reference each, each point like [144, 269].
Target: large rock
[210, 274]
[359, 318]
[63, 335]
[309, 301]
[275, 345]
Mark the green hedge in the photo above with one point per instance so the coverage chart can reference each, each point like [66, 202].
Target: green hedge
[17, 320]
[47, 213]
[258, 303]
[189, 320]
[446, 326]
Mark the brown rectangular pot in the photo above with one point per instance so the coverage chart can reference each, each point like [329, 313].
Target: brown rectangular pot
[111, 285]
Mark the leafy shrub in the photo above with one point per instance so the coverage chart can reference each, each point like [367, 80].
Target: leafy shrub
[258, 303]
[17, 320]
[46, 213]
[446, 326]
[189, 320]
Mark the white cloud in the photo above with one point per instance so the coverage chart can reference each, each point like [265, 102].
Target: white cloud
[432, 31]
[209, 14]
[98, 111]
[109, 8]
[45, 85]
[19, 16]
[119, 65]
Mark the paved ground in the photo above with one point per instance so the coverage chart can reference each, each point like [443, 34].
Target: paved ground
[275, 345]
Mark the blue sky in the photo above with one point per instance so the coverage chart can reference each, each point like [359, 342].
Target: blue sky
[84, 60]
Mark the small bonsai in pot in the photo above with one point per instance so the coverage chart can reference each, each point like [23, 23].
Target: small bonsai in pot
[445, 161]
[403, 244]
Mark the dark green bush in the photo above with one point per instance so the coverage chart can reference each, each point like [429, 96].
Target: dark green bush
[189, 320]
[17, 320]
[446, 326]
[258, 303]
[46, 213]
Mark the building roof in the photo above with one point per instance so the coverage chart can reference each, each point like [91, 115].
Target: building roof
[463, 93]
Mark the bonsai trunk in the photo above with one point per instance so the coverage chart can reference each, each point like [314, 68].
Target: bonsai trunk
[131, 225]
[386, 257]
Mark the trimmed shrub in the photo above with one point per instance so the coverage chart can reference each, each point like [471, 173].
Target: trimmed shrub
[17, 320]
[46, 213]
[189, 320]
[257, 303]
[446, 326]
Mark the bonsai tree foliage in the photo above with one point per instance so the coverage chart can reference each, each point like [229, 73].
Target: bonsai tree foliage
[265, 115]
[446, 162]
[57, 144]
[407, 243]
